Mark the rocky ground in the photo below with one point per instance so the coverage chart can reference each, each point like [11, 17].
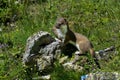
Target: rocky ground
[42, 50]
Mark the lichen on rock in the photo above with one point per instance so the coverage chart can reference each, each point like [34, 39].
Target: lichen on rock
[34, 44]
[41, 50]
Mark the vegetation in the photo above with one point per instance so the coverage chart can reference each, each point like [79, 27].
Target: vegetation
[99, 20]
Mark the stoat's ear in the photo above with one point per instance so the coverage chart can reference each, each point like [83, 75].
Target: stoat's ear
[66, 22]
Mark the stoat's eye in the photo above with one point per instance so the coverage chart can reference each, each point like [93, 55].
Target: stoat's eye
[58, 25]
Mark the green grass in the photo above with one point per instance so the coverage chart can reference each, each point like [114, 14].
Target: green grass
[96, 19]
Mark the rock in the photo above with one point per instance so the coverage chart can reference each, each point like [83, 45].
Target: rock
[106, 53]
[45, 64]
[101, 76]
[46, 77]
[42, 50]
[48, 54]
[70, 66]
[52, 48]
[47, 57]
[34, 44]
[3, 45]
[63, 59]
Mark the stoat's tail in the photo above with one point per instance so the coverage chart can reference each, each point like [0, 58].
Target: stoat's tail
[92, 52]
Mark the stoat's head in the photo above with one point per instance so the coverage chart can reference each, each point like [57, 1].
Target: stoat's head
[61, 28]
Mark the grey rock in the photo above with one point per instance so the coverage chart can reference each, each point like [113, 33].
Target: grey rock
[42, 50]
[106, 53]
[63, 59]
[52, 48]
[46, 77]
[3, 46]
[34, 44]
[102, 76]
[48, 54]
[71, 66]
[45, 64]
